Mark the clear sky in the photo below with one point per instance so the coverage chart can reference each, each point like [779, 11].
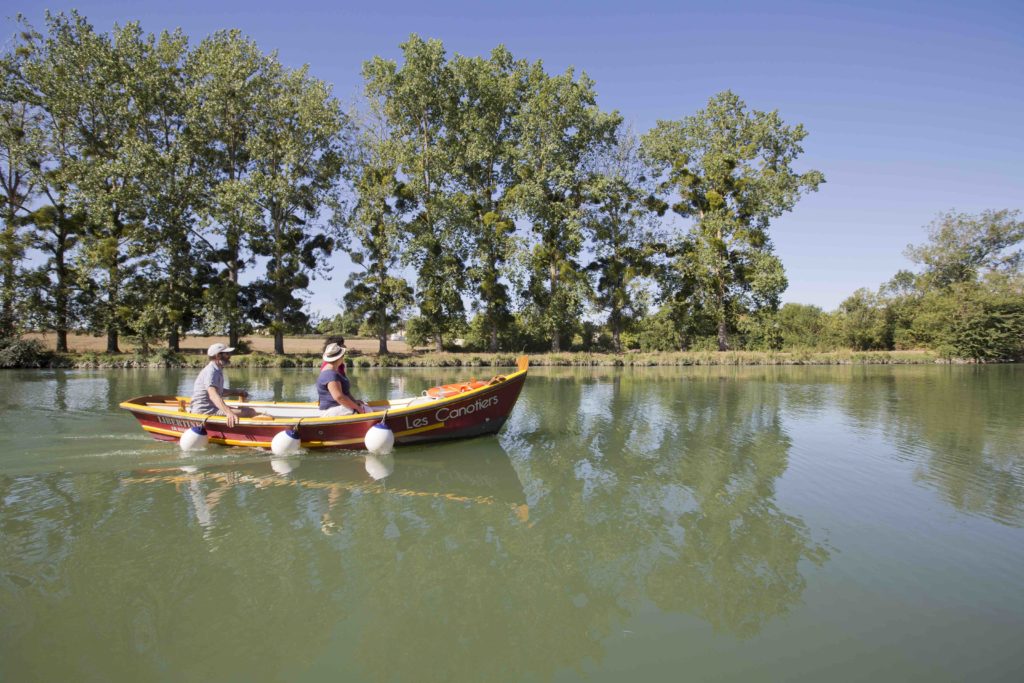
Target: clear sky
[913, 108]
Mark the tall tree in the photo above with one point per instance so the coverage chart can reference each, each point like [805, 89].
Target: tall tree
[56, 295]
[171, 178]
[228, 77]
[19, 135]
[620, 222]
[57, 226]
[373, 236]
[296, 151]
[84, 82]
[730, 170]
[418, 101]
[557, 128]
[489, 93]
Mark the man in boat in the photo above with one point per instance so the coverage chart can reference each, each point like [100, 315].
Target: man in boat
[209, 392]
[332, 386]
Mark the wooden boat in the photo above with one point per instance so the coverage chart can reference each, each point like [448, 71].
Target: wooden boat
[475, 411]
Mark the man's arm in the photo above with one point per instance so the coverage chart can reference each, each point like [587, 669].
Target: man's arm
[218, 400]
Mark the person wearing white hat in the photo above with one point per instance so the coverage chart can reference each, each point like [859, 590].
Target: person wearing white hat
[332, 387]
[208, 392]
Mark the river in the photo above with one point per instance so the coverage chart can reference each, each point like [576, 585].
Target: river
[810, 523]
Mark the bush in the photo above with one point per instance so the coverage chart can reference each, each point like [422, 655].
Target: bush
[23, 353]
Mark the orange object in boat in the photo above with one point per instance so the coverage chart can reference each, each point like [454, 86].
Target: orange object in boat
[446, 390]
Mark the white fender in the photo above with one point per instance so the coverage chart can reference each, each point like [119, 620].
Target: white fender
[379, 439]
[285, 443]
[194, 439]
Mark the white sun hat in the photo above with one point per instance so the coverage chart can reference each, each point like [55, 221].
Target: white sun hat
[219, 348]
[333, 352]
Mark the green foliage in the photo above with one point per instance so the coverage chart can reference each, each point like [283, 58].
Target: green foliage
[373, 237]
[659, 332]
[22, 353]
[560, 126]
[804, 326]
[484, 136]
[961, 247]
[863, 322]
[418, 101]
[149, 176]
[297, 157]
[345, 323]
[975, 320]
[729, 170]
[622, 234]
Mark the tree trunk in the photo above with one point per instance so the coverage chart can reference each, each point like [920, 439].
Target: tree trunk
[60, 300]
[112, 340]
[723, 335]
[556, 342]
[173, 340]
[10, 258]
[493, 345]
[438, 345]
[233, 280]
[113, 284]
[382, 343]
[278, 342]
[233, 313]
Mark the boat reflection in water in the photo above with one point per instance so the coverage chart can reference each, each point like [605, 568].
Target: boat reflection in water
[476, 471]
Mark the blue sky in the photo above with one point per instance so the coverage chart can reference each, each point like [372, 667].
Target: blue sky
[913, 108]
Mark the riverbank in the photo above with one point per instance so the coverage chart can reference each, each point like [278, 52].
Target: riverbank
[166, 359]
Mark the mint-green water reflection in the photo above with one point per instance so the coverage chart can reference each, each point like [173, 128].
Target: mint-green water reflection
[843, 523]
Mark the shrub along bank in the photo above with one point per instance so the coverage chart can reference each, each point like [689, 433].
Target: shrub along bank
[29, 354]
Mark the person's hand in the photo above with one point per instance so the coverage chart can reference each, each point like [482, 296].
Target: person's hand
[243, 394]
[231, 419]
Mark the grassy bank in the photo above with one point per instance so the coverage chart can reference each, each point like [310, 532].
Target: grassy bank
[165, 359]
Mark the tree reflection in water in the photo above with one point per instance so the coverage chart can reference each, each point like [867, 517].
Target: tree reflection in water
[491, 559]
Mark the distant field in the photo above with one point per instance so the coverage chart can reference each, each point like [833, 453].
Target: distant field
[83, 343]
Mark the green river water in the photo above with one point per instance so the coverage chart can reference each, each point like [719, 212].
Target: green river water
[727, 524]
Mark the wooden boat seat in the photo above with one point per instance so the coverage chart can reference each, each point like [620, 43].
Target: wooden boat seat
[180, 404]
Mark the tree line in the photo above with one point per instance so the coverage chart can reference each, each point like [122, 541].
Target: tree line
[153, 188]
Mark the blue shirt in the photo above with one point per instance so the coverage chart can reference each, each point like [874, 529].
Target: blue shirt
[326, 377]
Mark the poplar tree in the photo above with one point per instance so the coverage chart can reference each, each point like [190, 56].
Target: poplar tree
[228, 77]
[730, 170]
[43, 144]
[373, 236]
[296, 152]
[19, 126]
[484, 137]
[175, 271]
[557, 127]
[620, 223]
[418, 101]
[83, 81]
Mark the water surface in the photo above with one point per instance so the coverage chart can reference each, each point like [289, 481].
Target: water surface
[824, 523]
